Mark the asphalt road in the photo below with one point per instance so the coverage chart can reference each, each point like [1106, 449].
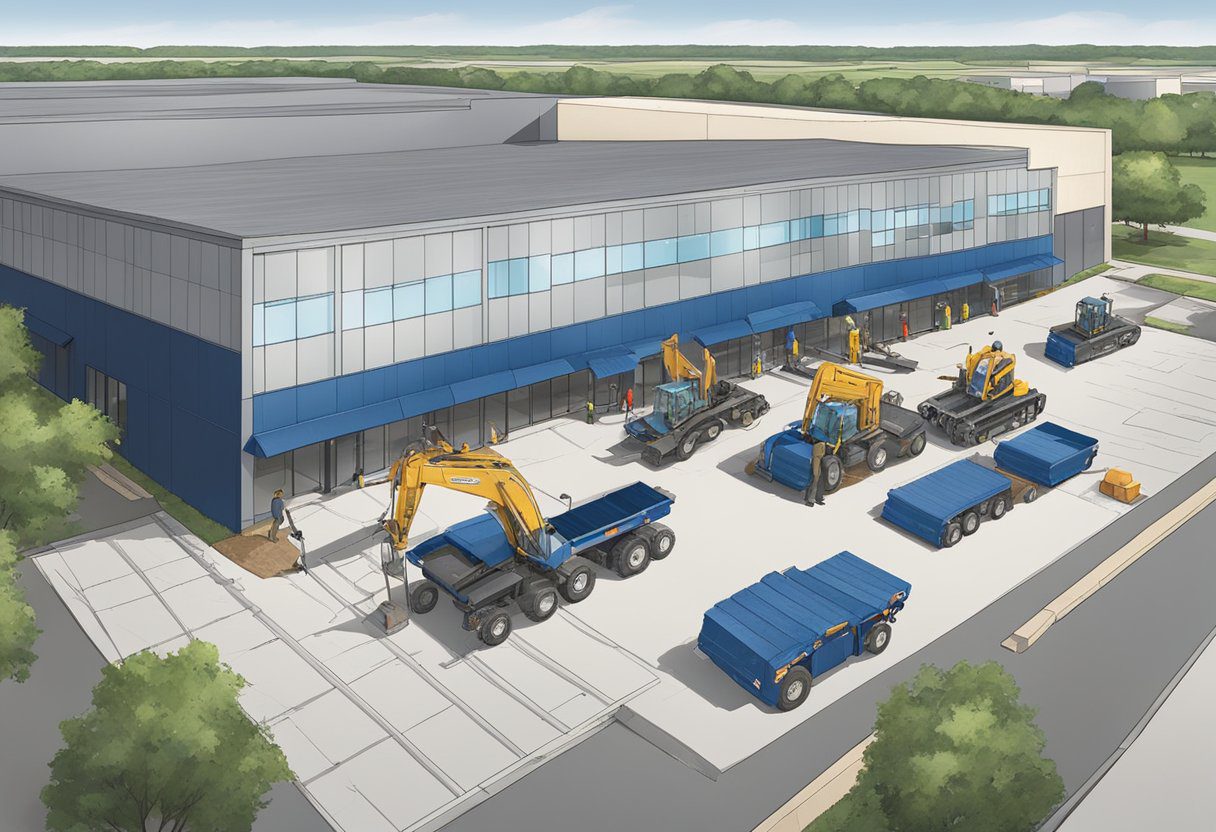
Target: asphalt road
[61, 685]
[1092, 677]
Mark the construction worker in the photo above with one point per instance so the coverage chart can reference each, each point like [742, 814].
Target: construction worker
[903, 324]
[791, 347]
[814, 491]
[590, 412]
[996, 300]
[966, 311]
[946, 317]
[629, 401]
[278, 511]
[494, 437]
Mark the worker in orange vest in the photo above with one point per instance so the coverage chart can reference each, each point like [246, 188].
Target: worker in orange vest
[629, 401]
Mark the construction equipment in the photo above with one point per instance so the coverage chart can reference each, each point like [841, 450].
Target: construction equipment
[691, 407]
[1047, 454]
[774, 637]
[947, 504]
[516, 555]
[847, 410]
[1120, 485]
[1095, 331]
[985, 399]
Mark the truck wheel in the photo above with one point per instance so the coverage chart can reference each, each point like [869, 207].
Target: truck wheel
[952, 535]
[917, 445]
[661, 540]
[712, 430]
[878, 638]
[424, 595]
[970, 522]
[794, 688]
[746, 418]
[1135, 336]
[495, 629]
[876, 456]
[1000, 505]
[925, 411]
[687, 445]
[578, 584]
[833, 473]
[1030, 495]
[540, 602]
[630, 556]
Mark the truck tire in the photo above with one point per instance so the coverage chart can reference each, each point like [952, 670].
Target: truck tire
[540, 601]
[746, 418]
[876, 456]
[878, 638]
[687, 445]
[1030, 494]
[833, 473]
[495, 628]
[952, 535]
[630, 555]
[423, 595]
[1000, 506]
[578, 584]
[970, 522]
[794, 688]
[917, 444]
[712, 430]
[659, 538]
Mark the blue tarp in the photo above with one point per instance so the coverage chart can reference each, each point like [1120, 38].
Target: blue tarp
[926, 505]
[608, 510]
[418, 404]
[1013, 268]
[487, 385]
[542, 372]
[274, 442]
[707, 336]
[611, 362]
[779, 317]
[1047, 454]
[48, 331]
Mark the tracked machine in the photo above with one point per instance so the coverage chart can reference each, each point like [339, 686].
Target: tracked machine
[985, 400]
[1094, 332]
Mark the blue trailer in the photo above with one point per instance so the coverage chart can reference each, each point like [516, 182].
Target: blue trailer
[949, 503]
[791, 627]
[475, 564]
[1047, 454]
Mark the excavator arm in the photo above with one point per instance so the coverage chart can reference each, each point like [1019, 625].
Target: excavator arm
[679, 368]
[480, 472]
[836, 383]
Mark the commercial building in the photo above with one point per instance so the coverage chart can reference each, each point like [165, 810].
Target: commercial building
[276, 283]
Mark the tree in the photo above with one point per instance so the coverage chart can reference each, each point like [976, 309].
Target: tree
[17, 630]
[954, 750]
[1147, 188]
[165, 746]
[45, 447]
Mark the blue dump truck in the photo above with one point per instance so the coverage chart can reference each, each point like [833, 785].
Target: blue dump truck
[776, 636]
[475, 563]
[947, 504]
[1094, 331]
[1048, 454]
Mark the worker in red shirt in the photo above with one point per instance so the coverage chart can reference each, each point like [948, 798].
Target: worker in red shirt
[629, 401]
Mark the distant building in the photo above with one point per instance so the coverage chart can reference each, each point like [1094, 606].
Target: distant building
[1053, 84]
[1142, 87]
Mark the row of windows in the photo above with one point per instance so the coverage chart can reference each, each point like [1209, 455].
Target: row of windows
[1021, 202]
[521, 275]
[108, 395]
[304, 317]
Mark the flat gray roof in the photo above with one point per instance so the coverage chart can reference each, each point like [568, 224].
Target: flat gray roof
[341, 193]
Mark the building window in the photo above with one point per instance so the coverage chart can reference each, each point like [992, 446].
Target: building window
[1019, 202]
[108, 395]
[409, 299]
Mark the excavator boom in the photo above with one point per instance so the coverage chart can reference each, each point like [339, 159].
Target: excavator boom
[836, 383]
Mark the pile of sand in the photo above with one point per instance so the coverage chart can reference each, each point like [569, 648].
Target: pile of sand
[255, 553]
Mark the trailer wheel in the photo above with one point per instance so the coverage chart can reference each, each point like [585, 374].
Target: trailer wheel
[712, 430]
[878, 638]
[970, 522]
[1030, 495]
[833, 473]
[578, 584]
[794, 688]
[630, 555]
[495, 629]
[687, 445]
[952, 535]
[661, 539]
[746, 418]
[1135, 336]
[917, 445]
[424, 595]
[540, 602]
[1000, 505]
[876, 456]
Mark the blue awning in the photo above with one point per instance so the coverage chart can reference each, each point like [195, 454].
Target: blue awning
[274, 442]
[542, 372]
[782, 316]
[895, 294]
[962, 280]
[426, 401]
[646, 347]
[46, 330]
[707, 336]
[487, 385]
[611, 362]
[1014, 268]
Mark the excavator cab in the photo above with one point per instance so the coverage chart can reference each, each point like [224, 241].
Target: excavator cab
[676, 401]
[989, 374]
[1093, 315]
[834, 422]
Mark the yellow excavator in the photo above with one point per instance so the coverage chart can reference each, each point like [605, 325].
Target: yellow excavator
[848, 411]
[514, 554]
[691, 407]
[985, 400]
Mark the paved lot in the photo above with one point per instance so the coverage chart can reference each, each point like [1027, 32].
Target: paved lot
[361, 715]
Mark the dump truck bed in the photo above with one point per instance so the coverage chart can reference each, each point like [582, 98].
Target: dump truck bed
[924, 506]
[899, 421]
[1048, 454]
[760, 629]
[617, 511]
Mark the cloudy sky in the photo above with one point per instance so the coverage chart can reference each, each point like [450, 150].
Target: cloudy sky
[518, 22]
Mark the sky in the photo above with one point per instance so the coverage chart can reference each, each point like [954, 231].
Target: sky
[522, 22]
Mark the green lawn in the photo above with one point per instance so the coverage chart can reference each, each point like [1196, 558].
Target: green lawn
[1085, 275]
[1201, 172]
[1164, 250]
[1169, 326]
[1179, 286]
